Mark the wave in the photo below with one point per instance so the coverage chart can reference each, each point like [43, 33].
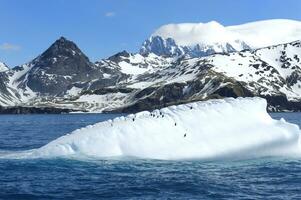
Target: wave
[202, 130]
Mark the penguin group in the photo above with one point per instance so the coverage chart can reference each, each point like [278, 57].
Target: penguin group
[157, 116]
[161, 115]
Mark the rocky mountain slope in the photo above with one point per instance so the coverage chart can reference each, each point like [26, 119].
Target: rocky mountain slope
[272, 73]
[63, 79]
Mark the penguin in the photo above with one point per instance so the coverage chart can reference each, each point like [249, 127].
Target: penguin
[185, 135]
[175, 124]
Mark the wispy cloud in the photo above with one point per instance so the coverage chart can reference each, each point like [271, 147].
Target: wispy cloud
[9, 47]
[110, 14]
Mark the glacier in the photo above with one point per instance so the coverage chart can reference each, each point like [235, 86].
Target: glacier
[203, 39]
[256, 34]
[224, 128]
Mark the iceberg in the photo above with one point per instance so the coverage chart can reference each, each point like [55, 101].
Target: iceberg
[201, 130]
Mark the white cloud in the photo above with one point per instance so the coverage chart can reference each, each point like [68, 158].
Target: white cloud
[110, 14]
[9, 47]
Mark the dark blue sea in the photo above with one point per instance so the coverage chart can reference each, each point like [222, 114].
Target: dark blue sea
[261, 178]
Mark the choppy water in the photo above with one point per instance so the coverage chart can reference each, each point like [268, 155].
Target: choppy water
[127, 178]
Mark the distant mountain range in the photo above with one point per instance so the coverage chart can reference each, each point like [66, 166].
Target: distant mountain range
[179, 63]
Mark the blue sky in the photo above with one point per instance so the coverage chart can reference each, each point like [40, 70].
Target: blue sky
[104, 27]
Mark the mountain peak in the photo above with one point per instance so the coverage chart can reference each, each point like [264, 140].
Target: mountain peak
[62, 39]
[62, 63]
[117, 57]
[64, 43]
[3, 67]
[63, 57]
[63, 47]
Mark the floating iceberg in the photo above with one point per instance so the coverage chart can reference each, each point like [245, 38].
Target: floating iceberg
[202, 130]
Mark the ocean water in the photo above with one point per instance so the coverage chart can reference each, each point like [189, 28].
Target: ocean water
[129, 178]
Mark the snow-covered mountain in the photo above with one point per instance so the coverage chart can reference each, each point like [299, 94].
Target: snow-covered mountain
[153, 81]
[63, 79]
[202, 39]
[62, 76]
[272, 72]
[61, 72]
[3, 67]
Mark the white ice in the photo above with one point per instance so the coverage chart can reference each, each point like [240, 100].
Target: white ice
[214, 129]
[256, 34]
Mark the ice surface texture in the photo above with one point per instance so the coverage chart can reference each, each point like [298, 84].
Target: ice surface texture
[202, 130]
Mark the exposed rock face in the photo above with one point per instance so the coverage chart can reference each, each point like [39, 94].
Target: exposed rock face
[62, 64]
[4, 93]
[161, 47]
[169, 48]
[33, 110]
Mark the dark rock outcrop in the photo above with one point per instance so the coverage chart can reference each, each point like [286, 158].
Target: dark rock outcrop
[33, 110]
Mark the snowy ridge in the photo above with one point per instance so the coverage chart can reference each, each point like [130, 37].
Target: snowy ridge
[256, 34]
[198, 39]
[138, 64]
[189, 34]
[242, 128]
[135, 64]
[3, 67]
[268, 32]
